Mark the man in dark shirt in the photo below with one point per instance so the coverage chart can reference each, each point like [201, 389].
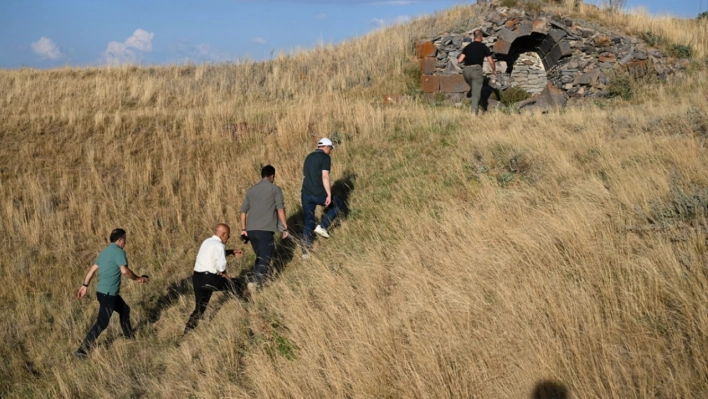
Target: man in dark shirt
[473, 57]
[316, 191]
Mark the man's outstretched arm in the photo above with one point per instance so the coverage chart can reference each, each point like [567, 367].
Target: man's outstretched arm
[87, 280]
[325, 183]
[125, 270]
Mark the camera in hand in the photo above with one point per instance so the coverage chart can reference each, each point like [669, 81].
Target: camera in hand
[244, 238]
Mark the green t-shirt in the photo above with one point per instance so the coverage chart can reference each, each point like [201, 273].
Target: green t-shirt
[109, 262]
[315, 163]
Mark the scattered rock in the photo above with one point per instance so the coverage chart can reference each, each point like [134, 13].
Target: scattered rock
[550, 97]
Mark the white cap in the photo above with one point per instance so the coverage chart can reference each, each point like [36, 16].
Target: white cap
[325, 141]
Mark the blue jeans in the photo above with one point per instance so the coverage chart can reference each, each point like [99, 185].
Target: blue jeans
[309, 204]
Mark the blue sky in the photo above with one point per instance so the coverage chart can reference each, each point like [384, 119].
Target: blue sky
[55, 33]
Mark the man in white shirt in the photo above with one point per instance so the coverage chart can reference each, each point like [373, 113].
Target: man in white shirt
[210, 272]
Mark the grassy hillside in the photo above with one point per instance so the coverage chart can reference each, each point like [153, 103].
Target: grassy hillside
[482, 257]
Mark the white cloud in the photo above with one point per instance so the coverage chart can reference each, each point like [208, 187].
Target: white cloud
[379, 22]
[46, 48]
[201, 52]
[259, 40]
[125, 52]
[140, 40]
[321, 16]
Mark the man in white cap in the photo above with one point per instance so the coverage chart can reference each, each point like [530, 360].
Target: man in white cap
[316, 190]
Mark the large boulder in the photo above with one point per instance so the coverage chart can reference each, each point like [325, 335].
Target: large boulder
[550, 98]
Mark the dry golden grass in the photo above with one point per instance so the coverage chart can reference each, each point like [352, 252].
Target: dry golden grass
[481, 256]
[675, 31]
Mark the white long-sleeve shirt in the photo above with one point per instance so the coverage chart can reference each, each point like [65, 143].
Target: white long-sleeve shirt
[211, 257]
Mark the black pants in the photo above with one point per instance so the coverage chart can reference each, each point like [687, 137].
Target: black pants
[109, 304]
[263, 245]
[204, 285]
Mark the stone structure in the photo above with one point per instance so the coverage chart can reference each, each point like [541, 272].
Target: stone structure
[531, 51]
[529, 73]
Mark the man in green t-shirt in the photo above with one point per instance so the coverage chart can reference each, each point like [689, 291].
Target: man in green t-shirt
[111, 265]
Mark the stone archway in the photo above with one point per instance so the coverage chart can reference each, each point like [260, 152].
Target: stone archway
[550, 44]
[527, 60]
[527, 72]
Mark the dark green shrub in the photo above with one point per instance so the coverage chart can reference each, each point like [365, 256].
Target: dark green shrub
[534, 7]
[510, 3]
[620, 85]
[650, 38]
[674, 50]
[411, 75]
[513, 95]
[703, 15]
[680, 51]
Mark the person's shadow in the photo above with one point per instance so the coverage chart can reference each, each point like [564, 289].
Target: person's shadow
[283, 255]
[549, 389]
[285, 249]
[176, 289]
[487, 91]
[155, 307]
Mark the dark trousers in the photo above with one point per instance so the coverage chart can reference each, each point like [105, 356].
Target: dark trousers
[309, 205]
[204, 285]
[108, 304]
[263, 245]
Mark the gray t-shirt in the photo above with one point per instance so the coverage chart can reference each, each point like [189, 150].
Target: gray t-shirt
[261, 204]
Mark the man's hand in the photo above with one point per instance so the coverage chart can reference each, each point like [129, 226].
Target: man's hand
[328, 200]
[143, 279]
[238, 253]
[226, 276]
[82, 292]
[286, 234]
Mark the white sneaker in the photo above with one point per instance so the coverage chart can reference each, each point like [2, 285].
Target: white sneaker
[321, 232]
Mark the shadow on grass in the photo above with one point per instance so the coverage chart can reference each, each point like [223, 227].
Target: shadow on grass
[285, 249]
[283, 255]
[177, 289]
[550, 390]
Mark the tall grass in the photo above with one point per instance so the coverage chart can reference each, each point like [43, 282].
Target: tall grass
[691, 32]
[481, 257]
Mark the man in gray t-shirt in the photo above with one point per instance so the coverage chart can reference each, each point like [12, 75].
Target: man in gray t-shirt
[260, 212]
